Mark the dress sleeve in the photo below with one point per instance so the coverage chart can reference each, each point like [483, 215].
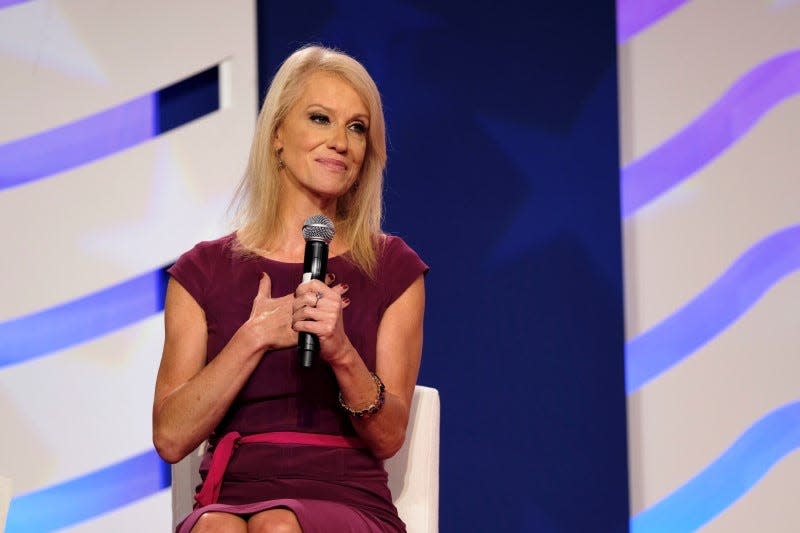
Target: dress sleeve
[194, 271]
[399, 267]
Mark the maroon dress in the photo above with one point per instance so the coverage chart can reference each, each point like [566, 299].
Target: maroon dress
[328, 488]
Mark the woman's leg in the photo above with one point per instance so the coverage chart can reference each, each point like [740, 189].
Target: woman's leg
[277, 520]
[219, 522]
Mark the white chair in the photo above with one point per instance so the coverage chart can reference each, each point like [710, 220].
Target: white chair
[413, 471]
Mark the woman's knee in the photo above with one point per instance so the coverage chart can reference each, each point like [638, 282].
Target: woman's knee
[219, 522]
[274, 521]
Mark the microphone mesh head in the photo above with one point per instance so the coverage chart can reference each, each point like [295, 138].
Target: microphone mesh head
[318, 228]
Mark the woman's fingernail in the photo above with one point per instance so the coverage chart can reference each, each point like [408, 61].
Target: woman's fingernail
[345, 301]
[345, 286]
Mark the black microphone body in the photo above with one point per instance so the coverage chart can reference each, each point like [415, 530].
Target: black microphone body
[318, 232]
[315, 266]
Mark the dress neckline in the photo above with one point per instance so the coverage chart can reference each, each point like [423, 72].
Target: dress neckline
[235, 237]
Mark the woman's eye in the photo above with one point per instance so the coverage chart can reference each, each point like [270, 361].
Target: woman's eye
[319, 118]
[358, 127]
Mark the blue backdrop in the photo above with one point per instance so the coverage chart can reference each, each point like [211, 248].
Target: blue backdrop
[503, 173]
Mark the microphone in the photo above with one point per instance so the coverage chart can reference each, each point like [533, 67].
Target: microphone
[318, 232]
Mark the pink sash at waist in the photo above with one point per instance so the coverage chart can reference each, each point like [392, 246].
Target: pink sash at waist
[209, 492]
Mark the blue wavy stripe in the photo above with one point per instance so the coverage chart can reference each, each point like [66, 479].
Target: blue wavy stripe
[714, 309]
[77, 143]
[86, 318]
[712, 133]
[730, 476]
[89, 496]
[635, 15]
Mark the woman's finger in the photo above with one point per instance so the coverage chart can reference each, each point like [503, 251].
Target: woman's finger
[264, 293]
[341, 288]
[314, 321]
[313, 286]
[265, 286]
[306, 299]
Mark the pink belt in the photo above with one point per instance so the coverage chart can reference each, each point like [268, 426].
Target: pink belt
[209, 493]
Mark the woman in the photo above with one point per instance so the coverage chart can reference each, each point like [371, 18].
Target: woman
[314, 439]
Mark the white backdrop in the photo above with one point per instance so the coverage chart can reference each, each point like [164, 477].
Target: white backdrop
[72, 412]
[710, 141]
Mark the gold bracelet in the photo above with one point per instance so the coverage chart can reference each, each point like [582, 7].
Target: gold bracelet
[372, 408]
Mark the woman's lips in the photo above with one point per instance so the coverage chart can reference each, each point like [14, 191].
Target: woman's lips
[332, 164]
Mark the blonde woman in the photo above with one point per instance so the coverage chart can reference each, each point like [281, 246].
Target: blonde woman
[296, 449]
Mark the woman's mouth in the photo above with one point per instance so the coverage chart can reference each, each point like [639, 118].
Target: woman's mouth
[332, 164]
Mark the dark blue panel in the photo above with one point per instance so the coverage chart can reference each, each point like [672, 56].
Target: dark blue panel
[189, 99]
[503, 173]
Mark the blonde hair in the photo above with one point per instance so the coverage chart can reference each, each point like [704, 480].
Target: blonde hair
[258, 197]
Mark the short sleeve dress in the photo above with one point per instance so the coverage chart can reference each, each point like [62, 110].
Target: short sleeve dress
[328, 488]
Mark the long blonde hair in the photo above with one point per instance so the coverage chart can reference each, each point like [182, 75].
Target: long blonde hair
[258, 197]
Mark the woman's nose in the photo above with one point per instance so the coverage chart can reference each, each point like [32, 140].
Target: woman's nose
[338, 139]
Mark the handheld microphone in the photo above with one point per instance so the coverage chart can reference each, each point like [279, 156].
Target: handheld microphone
[318, 232]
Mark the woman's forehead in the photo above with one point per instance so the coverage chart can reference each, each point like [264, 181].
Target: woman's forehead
[333, 91]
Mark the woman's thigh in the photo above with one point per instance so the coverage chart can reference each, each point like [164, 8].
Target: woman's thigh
[219, 522]
[274, 521]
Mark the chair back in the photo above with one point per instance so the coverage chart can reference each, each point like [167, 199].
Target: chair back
[414, 470]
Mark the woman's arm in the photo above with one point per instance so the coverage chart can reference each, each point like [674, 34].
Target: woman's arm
[399, 350]
[192, 397]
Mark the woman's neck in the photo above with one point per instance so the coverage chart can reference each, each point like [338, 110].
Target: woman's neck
[289, 244]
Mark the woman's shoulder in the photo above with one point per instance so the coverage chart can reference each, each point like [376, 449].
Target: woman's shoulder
[220, 245]
[195, 268]
[210, 250]
[392, 247]
[398, 266]
[202, 258]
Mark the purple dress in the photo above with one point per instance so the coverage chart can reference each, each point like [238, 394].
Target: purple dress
[329, 489]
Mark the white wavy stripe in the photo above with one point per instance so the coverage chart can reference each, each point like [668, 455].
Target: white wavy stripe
[683, 420]
[682, 242]
[770, 506]
[80, 409]
[676, 69]
[63, 60]
[151, 514]
[88, 406]
[97, 225]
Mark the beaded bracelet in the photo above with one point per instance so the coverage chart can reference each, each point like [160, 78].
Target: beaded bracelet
[371, 409]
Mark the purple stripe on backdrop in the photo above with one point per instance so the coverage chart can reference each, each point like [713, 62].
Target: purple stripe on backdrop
[79, 142]
[635, 15]
[83, 319]
[90, 495]
[8, 3]
[713, 310]
[699, 143]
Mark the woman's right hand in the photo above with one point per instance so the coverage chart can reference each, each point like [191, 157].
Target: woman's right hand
[192, 396]
[271, 318]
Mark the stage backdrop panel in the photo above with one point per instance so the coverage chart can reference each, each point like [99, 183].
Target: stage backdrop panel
[709, 113]
[125, 128]
[503, 173]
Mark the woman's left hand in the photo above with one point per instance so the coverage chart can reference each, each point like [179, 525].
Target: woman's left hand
[318, 309]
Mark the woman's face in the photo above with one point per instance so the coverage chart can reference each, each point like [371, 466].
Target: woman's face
[323, 139]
